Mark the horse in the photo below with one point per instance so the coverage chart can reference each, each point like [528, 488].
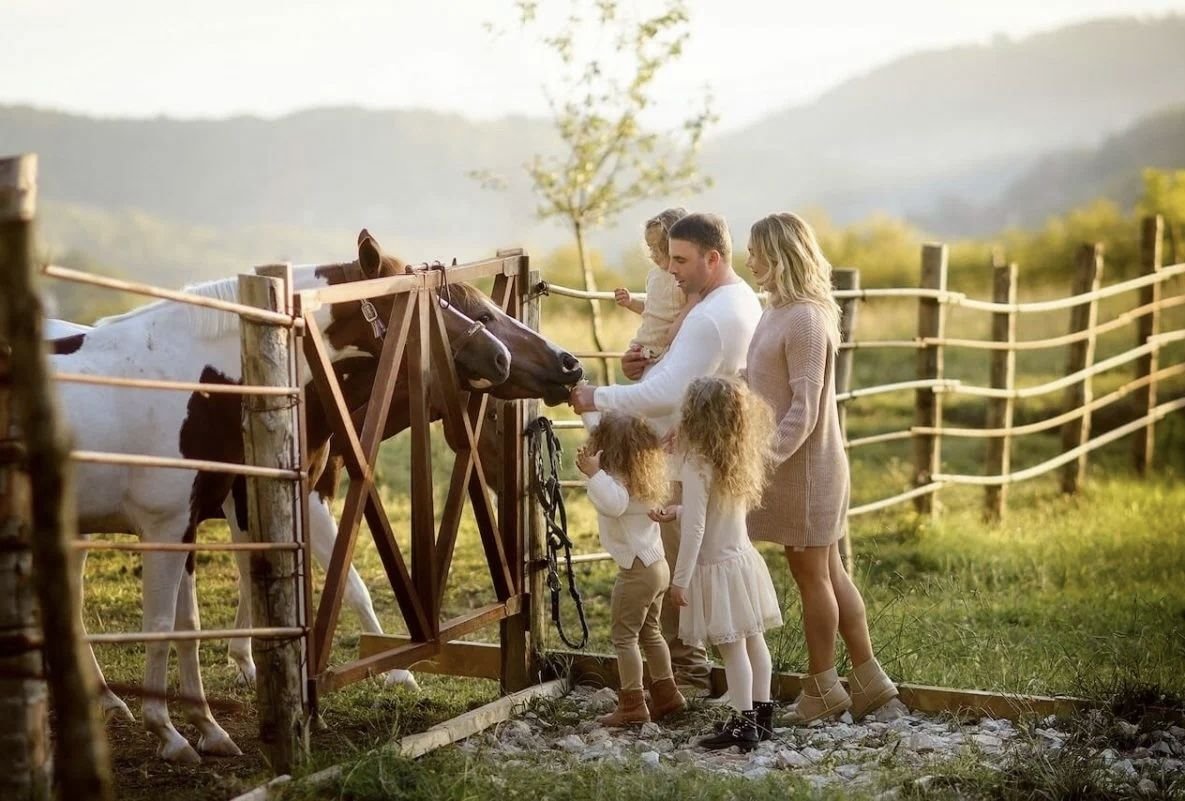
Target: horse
[538, 369]
[177, 342]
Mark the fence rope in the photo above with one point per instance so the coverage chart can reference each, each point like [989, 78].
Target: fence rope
[1155, 415]
[248, 312]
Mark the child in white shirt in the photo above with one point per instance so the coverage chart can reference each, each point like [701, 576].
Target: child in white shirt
[627, 477]
[721, 583]
[666, 305]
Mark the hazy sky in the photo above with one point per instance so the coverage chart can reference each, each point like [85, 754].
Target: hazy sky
[269, 57]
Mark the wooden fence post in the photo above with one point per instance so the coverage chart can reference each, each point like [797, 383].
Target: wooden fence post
[1083, 317]
[519, 666]
[270, 439]
[81, 769]
[24, 701]
[532, 514]
[1003, 376]
[844, 279]
[1148, 326]
[927, 457]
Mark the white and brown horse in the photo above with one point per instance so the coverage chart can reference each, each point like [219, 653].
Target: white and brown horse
[170, 341]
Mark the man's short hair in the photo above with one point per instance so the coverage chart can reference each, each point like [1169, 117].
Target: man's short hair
[706, 231]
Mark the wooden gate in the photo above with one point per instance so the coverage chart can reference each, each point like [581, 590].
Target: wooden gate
[416, 337]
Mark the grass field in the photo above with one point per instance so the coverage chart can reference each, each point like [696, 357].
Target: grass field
[1079, 595]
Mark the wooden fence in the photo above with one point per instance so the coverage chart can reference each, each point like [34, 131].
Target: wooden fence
[931, 385]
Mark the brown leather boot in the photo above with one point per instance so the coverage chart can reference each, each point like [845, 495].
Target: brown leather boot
[631, 709]
[665, 699]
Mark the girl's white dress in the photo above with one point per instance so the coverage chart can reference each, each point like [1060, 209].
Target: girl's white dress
[729, 590]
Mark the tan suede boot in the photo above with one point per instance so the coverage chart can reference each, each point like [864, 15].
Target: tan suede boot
[631, 709]
[665, 699]
[871, 688]
[822, 696]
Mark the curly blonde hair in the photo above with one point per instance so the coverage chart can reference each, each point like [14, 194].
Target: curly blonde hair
[632, 452]
[731, 428]
[656, 232]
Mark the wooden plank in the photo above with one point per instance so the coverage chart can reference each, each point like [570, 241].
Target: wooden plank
[329, 393]
[473, 660]
[423, 518]
[480, 618]
[442, 734]
[1147, 327]
[269, 437]
[998, 455]
[375, 665]
[928, 403]
[337, 572]
[390, 359]
[1080, 355]
[414, 613]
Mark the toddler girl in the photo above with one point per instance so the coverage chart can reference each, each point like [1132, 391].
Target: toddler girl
[627, 476]
[666, 305]
[720, 582]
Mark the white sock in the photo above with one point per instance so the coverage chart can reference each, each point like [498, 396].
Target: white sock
[762, 665]
[738, 673]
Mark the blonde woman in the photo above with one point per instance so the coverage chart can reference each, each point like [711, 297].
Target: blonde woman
[791, 364]
[627, 477]
[720, 583]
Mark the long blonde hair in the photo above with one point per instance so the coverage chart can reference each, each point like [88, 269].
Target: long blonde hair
[631, 452]
[728, 426]
[657, 230]
[799, 272]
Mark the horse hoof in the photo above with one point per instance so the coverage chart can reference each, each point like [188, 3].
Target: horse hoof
[179, 753]
[401, 678]
[118, 713]
[244, 673]
[219, 745]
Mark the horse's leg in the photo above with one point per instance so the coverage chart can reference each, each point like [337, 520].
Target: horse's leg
[238, 650]
[322, 535]
[112, 705]
[213, 738]
[162, 579]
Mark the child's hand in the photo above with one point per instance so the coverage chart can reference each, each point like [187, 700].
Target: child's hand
[621, 297]
[671, 441]
[588, 463]
[677, 595]
[663, 514]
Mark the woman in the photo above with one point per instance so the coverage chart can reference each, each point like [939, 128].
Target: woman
[791, 364]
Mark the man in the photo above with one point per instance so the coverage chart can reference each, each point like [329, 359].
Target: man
[713, 341]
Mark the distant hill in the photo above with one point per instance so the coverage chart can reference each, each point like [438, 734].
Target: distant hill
[959, 138]
[961, 122]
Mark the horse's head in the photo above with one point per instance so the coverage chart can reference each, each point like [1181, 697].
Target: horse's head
[538, 367]
[481, 357]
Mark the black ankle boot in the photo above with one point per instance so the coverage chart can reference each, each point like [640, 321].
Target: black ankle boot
[741, 731]
[763, 712]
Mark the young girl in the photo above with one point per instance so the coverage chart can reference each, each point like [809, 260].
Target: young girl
[627, 476]
[720, 581]
[791, 364]
[665, 305]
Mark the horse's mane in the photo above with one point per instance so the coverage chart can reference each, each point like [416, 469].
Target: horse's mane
[465, 293]
[203, 322]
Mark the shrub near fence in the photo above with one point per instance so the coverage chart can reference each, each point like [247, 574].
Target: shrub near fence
[932, 384]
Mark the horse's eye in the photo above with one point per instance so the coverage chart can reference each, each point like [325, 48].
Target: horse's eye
[485, 318]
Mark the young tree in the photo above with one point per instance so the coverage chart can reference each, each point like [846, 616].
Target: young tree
[610, 159]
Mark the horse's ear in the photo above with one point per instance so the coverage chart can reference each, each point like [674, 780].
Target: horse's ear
[370, 258]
